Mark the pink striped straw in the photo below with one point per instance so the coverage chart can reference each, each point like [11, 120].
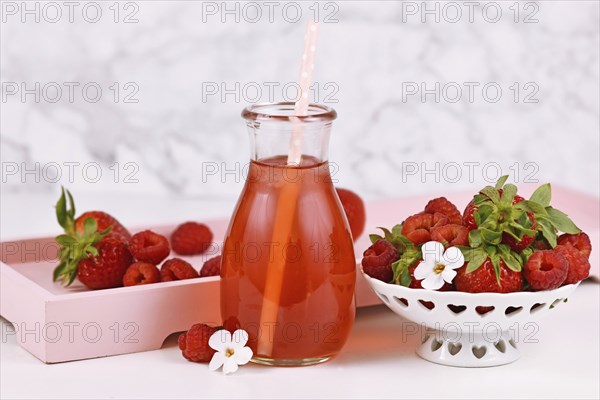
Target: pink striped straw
[301, 106]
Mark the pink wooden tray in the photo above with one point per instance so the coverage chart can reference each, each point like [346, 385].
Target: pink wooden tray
[57, 324]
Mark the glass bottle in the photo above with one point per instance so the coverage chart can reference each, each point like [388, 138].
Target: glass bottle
[288, 265]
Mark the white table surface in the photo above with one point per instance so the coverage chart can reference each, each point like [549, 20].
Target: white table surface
[376, 362]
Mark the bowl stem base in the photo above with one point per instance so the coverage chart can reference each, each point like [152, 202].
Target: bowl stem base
[468, 349]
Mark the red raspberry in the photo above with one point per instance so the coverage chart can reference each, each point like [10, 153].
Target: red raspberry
[579, 265]
[443, 206]
[141, 273]
[191, 238]
[149, 247]
[580, 241]
[177, 269]
[451, 235]
[211, 267]
[541, 244]
[483, 279]
[355, 211]
[545, 270]
[194, 343]
[377, 260]
[417, 227]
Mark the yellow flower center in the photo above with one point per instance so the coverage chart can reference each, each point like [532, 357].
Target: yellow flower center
[439, 268]
[229, 352]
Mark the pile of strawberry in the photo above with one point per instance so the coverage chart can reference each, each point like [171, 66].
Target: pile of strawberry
[100, 252]
[509, 244]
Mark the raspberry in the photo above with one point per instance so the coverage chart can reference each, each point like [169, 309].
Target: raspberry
[546, 269]
[149, 247]
[580, 241]
[416, 227]
[194, 343]
[191, 238]
[483, 279]
[141, 273]
[443, 206]
[451, 235]
[378, 258]
[177, 269]
[579, 265]
[355, 211]
[211, 267]
[541, 244]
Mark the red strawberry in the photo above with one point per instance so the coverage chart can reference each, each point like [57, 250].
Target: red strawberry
[451, 235]
[443, 206]
[98, 256]
[194, 343]
[578, 264]
[377, 260]
[580, 241]
[177, 269]
[191, 238]
[484, 279]
[149, 247]
[103, 222]
[417, 227]
[545, 270]
[211, 267]
[141, 273]
[105, 270]
[355, 211]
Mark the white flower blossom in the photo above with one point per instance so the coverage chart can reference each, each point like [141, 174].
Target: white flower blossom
[438, 266]
[231, 350]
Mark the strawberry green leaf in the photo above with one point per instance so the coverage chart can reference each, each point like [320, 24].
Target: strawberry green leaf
[89, 226]
[490, 236]
[373, 237]
[548, 231]
[479, 198]
[484, 211]
[533, 207]
[400, 267]
[495, 259]
[561, 221]
[509, 258]
[542, 195]
[509, 192]
[501, 181]
[476, 258]
[71, 211]
[491, 193]
[58, 271]
[61, 209]
[475, 239]
[65, 240]
[397, 229]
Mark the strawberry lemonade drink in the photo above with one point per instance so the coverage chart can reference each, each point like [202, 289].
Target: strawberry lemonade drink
[288, 265]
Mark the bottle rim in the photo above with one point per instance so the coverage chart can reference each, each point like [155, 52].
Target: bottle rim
[284, 112]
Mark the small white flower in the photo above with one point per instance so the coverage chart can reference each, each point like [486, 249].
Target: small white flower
[438, 265]
[231, 350]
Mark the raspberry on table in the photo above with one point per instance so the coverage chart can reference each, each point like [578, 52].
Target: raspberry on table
[451, 235]
[578, 265]
[177, 269]
[191, 238]
[443, 206]
[141, 273]
[378, 258]
[546, 269]
[580, 241]
[194, 343]
[211, 267]
[149, 247]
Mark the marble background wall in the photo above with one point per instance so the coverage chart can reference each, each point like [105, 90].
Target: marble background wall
[159, 128]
